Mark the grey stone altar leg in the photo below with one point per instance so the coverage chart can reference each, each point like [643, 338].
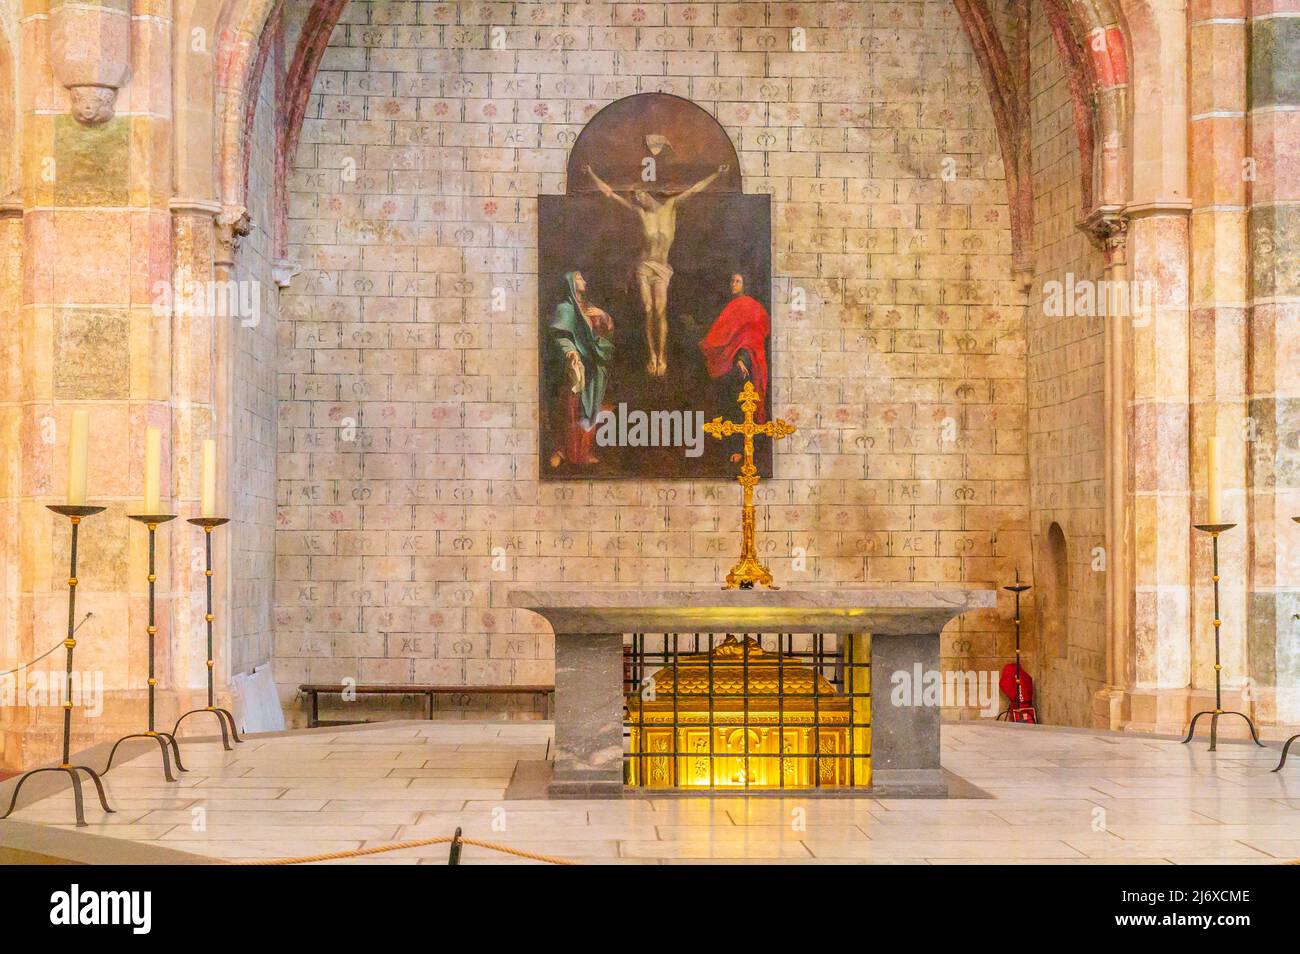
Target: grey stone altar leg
[904, 739]
[588, 715]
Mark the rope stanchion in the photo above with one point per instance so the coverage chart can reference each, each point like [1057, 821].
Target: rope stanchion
[454, 840]
[33, 662]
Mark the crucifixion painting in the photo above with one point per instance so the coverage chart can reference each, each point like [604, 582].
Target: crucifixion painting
[654, 297]
[658, 218]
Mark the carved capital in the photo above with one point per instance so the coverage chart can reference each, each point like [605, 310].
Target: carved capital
[1107, 229]
[232, 225]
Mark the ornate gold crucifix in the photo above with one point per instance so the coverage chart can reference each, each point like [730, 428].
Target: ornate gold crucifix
[749, 570]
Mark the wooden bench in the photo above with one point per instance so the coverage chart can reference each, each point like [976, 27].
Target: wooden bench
[313, 691]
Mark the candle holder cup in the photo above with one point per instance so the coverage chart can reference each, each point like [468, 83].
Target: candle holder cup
[1214, 529]
[225, 719]
[166, 740]
[75, 513]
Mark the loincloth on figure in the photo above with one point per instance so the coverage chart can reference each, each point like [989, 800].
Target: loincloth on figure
[656, 275]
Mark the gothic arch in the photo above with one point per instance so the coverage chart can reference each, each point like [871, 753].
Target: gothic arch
[1090, 34]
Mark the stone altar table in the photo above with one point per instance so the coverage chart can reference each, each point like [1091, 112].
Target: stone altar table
[589, 621]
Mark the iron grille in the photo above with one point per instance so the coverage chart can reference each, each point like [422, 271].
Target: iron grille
[740, 711]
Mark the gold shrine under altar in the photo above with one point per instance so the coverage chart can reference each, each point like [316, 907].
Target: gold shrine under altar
[745, 717]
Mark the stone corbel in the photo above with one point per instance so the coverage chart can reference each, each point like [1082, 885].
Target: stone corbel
[232, 225]
[284, 271]
[1107, 229]
[90, 50]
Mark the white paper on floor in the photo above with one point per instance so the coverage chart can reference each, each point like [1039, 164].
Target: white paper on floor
[255, 701]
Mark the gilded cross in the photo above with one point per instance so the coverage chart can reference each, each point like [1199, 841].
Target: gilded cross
[749, 570]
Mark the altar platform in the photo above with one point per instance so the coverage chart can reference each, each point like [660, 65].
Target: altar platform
[792, 710]
[1055, 796]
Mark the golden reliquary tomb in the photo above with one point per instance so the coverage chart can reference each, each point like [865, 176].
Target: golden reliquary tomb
[744, 717]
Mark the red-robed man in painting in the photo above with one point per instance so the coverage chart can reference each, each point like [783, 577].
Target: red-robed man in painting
[735, 349]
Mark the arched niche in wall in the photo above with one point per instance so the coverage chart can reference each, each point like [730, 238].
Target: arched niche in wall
[1053, 574]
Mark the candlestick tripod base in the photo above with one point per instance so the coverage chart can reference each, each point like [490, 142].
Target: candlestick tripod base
[77, 798]
[1214, 529]
[224, 719]
[1286, 747]
[166, 741]
[75, 513]
[1214, 715]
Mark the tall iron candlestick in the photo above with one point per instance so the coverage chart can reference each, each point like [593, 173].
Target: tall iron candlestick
[165, 740]
[1214, 529]
[1286, 746]
[223, 715]
[1014, 711]
[76, 514]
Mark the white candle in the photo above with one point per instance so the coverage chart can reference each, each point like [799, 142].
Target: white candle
[1214, 481]
[77, 439]
[208, 505]
[152, 470]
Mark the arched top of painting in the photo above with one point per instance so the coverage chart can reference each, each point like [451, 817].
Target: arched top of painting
[683, 140]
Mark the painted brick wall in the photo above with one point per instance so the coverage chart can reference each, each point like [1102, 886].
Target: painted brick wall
[253, 393]
[408, 408]
[1066, 400]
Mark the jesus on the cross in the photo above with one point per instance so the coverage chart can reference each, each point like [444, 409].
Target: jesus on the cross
[658, 230]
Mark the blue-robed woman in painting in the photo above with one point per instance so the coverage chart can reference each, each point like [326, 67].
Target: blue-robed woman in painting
[580, 345]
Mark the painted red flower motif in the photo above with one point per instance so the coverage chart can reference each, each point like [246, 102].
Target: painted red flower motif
[336, 517]
[489, 109]
[489, 208]
[540, 110]
[440, 109]
[638, 15]
[389, 207]
[690, 14]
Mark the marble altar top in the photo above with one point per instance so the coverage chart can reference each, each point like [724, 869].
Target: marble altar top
[879, 610]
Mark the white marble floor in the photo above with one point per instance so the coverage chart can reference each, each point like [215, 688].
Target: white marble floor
[1059, 796]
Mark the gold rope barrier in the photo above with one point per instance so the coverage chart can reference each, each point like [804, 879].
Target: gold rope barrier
[399, 845]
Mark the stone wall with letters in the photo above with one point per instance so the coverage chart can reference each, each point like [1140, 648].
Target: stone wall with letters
[1066, 402]
[253, 423]
[408, 492]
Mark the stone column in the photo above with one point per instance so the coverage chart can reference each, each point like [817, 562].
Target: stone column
[1109, 232]
[96, 176]
[196, 364]
[589, 714]
[1273, 116]
[1217, 54]
[1157, 252]
[11, 429]
[904, 737]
